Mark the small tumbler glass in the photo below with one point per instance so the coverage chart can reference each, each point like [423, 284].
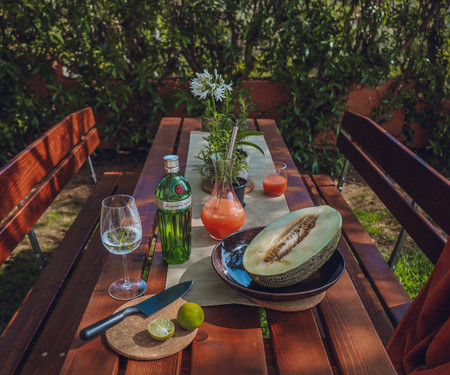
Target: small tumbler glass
[275, 178]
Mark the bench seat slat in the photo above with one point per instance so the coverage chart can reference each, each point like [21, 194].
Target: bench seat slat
[25, 217]
[29, 167]
[368, 255]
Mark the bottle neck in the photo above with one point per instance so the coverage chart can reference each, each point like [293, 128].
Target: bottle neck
[173, 170]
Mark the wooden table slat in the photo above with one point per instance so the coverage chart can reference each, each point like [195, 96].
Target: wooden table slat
[189, 124]
[297, 343]
[297, 195]
[355, 343]
[158, 270]
[101, 304]
[229, 342]
[153, 170]
[286, 327]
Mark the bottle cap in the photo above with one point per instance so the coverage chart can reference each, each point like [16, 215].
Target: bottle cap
[171, 163]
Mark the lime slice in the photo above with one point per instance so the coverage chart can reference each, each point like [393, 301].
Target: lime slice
[190, 316]
[161, 329]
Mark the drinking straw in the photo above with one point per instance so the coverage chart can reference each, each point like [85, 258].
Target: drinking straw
[232, 142]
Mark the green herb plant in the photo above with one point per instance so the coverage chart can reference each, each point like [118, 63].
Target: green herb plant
[219, 120]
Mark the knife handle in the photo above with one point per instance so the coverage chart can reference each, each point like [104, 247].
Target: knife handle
[97, 328]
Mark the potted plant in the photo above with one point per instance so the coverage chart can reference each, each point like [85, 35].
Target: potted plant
[219, 120]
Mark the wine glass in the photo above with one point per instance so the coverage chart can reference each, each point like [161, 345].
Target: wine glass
[121, 231]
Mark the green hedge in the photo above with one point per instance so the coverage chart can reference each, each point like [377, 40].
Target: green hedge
[121, 53]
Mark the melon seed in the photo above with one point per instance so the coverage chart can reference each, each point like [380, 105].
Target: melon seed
[291, 237]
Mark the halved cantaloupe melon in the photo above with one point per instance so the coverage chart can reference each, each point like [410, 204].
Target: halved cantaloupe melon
[293, 247]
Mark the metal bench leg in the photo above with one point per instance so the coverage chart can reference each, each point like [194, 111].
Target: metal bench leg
[395, 255]
[35, 243]
[343, 174]
[91, 170]
[36, 247]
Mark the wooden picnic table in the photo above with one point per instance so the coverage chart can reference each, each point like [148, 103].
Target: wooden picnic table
[335, 337]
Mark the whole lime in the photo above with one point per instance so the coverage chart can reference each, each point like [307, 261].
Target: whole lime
[190, 316]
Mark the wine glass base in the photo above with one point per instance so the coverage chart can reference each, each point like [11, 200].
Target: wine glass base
[122, 291]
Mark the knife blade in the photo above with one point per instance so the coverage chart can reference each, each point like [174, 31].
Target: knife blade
[147, 307]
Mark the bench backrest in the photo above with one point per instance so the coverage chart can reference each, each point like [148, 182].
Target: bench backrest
[398, 176]
[31, 181]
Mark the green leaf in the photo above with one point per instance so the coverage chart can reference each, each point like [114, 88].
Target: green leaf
[251, 144]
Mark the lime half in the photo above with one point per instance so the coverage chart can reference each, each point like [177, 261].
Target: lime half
[190, 316]
[161, 329]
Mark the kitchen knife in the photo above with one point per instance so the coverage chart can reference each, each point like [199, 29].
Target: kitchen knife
[147, 307]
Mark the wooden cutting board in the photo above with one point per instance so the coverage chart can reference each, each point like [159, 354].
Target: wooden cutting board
[131, 339]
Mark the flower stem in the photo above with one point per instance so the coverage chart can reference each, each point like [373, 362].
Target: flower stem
[213, 104]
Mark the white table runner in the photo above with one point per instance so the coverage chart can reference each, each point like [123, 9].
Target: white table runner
[208, 289]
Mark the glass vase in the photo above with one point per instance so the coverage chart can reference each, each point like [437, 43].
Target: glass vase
[222, 214]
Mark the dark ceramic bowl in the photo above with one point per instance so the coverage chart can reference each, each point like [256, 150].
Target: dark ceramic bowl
[227, 261]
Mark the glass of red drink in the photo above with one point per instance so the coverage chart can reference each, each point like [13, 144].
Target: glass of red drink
[222, 214]
[275, 178]
[222, 217]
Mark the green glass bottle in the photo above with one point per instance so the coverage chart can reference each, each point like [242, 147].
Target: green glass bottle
[174, 212]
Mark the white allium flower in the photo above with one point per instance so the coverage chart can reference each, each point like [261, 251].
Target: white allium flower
[205, 84]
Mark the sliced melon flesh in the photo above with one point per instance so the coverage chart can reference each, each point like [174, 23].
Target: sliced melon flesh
[293, 247]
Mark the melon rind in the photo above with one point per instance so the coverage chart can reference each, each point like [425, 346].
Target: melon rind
[300, 273]
[296, 273]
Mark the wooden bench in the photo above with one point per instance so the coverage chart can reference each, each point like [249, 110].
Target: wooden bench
[28, 185]
[409, 188]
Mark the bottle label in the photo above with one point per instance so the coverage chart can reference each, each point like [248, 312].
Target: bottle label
[173, 206]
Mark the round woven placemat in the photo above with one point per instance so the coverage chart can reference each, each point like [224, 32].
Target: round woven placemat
[131, 339]
[296, 305]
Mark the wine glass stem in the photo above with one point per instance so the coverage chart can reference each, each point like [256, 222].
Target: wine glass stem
[125, 270]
